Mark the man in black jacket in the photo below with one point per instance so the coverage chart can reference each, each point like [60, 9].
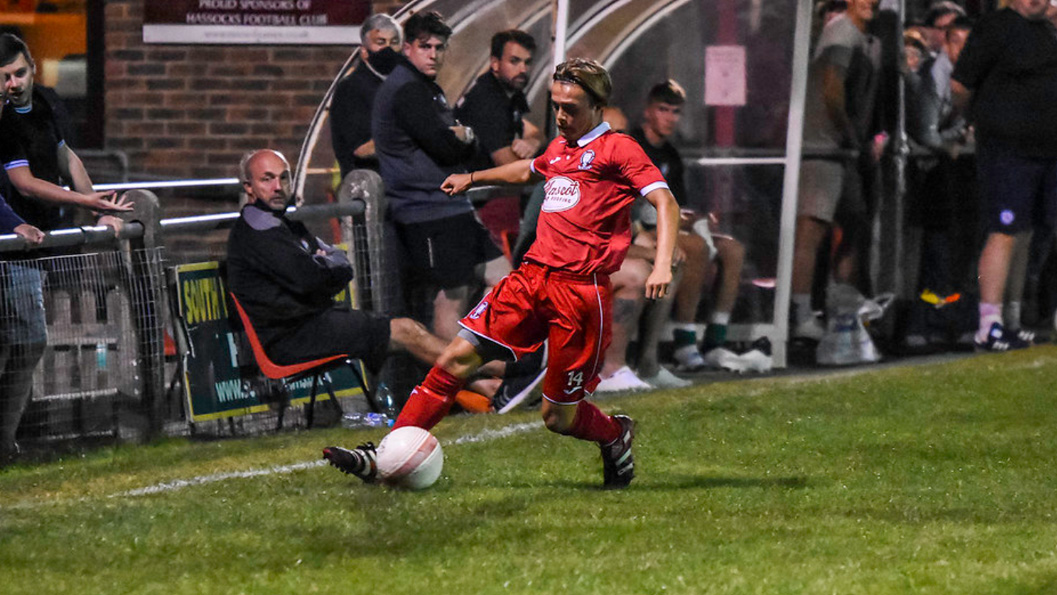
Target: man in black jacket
[286, 278]
[350, 109]
[419, 144]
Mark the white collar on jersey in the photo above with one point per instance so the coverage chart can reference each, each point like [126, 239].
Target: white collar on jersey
[596, 132]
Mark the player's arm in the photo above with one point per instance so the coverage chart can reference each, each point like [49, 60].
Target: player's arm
[960, 97]
[835, 100]
[29, 185]
[517, 172]
[660, 278]
[366, 150]
[72, 169]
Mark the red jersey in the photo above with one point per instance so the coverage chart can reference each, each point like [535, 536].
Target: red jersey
[585, 224]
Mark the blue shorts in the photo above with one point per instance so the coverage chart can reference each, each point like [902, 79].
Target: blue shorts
[22, 319]
[1019, 192]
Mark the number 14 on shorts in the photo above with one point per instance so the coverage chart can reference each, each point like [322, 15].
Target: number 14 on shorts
[574, 382]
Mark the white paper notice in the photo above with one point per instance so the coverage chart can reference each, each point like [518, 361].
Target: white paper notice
[725, 75]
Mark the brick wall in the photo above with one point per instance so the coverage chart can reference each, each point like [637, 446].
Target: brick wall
[193, 110]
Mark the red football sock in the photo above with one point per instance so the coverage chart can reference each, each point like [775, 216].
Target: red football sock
[430, 401]
[593, 425]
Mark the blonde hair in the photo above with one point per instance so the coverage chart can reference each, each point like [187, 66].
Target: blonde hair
[589, 75]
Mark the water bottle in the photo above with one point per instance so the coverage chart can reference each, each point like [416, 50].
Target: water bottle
[383, 395]
[357, 420]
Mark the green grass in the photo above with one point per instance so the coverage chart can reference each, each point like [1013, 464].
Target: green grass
[927, 479]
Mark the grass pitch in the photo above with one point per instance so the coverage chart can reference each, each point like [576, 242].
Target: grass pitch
[928, 479]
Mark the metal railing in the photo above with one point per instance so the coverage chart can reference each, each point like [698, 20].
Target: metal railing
[101, 369]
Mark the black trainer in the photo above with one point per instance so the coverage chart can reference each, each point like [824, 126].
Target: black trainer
[618, 466]
[999, 339]
[515, 390]
[359, 461]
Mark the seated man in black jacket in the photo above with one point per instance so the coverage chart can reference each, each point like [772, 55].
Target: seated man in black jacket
[286, 278]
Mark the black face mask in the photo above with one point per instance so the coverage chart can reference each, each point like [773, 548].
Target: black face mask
[383, 61]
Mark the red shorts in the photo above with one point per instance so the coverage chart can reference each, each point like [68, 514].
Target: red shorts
[572, 311]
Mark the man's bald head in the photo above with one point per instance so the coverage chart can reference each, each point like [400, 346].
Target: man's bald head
[265, 177]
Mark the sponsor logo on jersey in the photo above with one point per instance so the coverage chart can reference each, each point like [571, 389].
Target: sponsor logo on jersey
[562, 194]
[586, 159]
[1007, 217]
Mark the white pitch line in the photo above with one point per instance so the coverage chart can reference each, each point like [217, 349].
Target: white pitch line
[179, 484]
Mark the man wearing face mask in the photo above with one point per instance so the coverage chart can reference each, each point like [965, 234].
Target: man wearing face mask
[350, 108]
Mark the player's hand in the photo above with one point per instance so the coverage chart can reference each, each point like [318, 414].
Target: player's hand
[463, 133]
[106, 203]
[524, 148]
[658, 283]
[111, 221]
[456, 184]
[678, 256]
[29, 233]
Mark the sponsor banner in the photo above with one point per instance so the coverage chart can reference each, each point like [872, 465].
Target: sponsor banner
[220, 374]
[224, 22]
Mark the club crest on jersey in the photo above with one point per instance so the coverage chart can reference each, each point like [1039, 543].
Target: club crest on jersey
[476, 312]
[586, 159]
[561, 194]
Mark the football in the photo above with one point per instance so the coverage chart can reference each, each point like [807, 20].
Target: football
[410, 458]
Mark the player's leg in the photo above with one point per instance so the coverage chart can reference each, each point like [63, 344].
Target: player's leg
[809, 235]
[629, 297]
[431, 400]
[425, 407]
[1009, 184]
[578, 337]
[687, 296]
[821, 184]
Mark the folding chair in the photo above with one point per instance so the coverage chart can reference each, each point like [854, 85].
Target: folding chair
[316, 368]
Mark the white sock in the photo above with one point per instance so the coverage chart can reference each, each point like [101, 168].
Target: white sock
[720, 318]
[989, 314]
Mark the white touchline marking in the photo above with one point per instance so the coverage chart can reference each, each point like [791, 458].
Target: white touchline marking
[489, 434]
[179, 484]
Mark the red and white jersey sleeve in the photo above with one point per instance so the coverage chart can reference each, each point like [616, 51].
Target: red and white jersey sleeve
[585, 224]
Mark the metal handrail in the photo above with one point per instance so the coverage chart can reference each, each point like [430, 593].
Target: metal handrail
[101, 234]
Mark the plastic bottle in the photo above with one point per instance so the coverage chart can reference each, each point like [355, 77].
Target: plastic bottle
[355, 420]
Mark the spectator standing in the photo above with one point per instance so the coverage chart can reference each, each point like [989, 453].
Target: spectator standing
[350, 108]
[419, 143]
[839, 112]
[937, 19]
[942, 199]
[37, 160]
[1009, 71]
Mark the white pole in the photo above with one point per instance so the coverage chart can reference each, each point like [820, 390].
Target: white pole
[561, 27]
[793, 145]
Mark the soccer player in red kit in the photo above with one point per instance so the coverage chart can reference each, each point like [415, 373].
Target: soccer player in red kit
[561, 291]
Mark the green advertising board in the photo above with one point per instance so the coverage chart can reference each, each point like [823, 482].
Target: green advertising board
[220, 375]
